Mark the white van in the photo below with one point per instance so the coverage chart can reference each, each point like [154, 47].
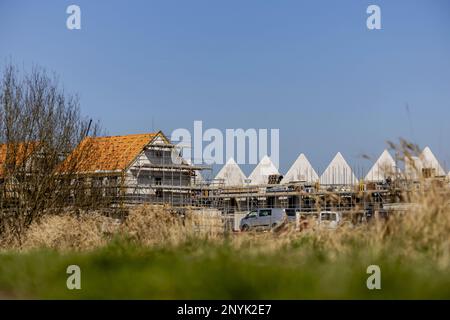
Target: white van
[264, 218]
[330, 219]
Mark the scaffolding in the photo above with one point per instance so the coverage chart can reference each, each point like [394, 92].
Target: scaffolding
[160, 175]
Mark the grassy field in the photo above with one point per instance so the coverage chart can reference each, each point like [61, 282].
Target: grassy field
[155, 255]
[203, 270]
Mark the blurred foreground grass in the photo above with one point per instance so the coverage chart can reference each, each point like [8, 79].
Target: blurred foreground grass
[154, 254]
[219, 270]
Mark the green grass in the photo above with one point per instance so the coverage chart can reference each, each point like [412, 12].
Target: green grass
[201, 270]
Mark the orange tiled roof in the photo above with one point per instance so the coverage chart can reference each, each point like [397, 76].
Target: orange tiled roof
[22, 152]
[107, 153]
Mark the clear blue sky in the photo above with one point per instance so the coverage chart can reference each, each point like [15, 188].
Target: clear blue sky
[310, 68]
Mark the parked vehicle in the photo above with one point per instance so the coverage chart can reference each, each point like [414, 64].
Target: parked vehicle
[291, 214]
[330, 219]
[265, 218]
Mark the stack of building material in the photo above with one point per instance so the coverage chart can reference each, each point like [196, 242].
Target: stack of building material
[275, 179]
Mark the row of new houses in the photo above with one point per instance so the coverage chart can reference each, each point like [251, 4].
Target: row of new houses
[338, 171]
[150, 165]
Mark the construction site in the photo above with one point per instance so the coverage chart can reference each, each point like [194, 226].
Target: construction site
[119, 172]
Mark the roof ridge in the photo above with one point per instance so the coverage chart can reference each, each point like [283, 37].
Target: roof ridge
[128, 135]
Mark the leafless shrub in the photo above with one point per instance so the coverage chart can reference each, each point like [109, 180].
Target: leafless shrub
[39, 125]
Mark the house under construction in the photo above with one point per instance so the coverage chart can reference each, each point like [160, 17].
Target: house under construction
[148, 168]
[337, 188]
[134, 168]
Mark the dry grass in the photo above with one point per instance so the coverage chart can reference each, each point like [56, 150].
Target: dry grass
[147, 225]
[156, 225]
[158, 255]
[69, 232]
[422, 231]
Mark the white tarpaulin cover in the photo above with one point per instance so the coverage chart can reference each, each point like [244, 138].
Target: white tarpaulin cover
[301, 170]
[231, 174]
[262, 171]
[426, 160]
[429, 161]
[383, 168]
[338, 172]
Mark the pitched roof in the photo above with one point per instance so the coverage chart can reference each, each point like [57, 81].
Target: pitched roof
[338, 172]
[429, 161]
[100, 154]
[301, 170]
[20, 151]
[383, 168]
[231, 174]
[414, 165]
[261, 173]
